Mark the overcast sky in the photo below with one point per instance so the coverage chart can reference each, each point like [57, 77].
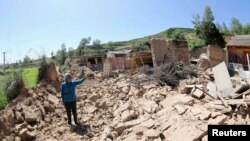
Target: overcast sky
[34, 27]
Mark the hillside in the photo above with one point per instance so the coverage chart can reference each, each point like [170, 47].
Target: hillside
[141, 43]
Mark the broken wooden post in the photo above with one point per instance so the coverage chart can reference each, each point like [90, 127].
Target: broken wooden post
[222, 99]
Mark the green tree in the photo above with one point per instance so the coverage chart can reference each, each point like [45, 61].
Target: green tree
[26, 60]
[70, 52]
[61, 55]
[110, 46]
[236, 27]
[225, 29]
[82, 44]
[206, 29]
[97, 44]
[246, 29]
[178, 36]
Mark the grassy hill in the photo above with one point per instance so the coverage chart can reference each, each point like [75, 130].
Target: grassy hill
[141, 43]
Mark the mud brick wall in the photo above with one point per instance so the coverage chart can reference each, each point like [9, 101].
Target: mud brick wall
[216, 55]
[196, 52]
[161, 48]
[181, 50]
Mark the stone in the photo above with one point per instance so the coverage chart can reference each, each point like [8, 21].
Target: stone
[17, 138]
[122, 108]
[23, 134]
[48, 107]
[94, 97]
[53, 99]
[187, 100]
[103, 104]
[61, 130]
[139, 130]
[30, 117]
[197, 93]
[31, 135]
[181, 109]
[19, 117]
[195, 111]
[215, 114]
[152, 133]
[21, 126]
[205, 114]
[148, 87]
[128, 115]
[147, 105]
[125, 89]
[148, 124]
[91, 109]
[51, 89]
[218, 120]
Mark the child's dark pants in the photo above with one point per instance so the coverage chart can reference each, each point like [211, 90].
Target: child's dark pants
[71, 106]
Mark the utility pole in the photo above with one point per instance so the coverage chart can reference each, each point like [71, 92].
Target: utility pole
[4, 62]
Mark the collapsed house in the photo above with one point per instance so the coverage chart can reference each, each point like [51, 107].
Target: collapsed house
[238, 49]
[120, 59]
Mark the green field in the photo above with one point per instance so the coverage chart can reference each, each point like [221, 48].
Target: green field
[30, 80]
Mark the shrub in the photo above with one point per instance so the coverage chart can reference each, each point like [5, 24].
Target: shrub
[13, 85]
[42, 69]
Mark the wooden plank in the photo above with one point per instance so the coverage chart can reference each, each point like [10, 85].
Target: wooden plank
[192, 86]
[233, 102]
[222, 99]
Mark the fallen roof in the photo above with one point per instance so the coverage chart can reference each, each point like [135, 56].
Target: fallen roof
[239, 40]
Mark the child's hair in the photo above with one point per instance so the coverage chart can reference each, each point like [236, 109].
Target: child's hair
[66, 75]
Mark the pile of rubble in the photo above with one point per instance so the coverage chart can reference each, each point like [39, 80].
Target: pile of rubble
[123, 108]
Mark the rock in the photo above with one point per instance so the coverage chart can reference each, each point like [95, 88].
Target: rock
[139, 130]
[90, 134]
[148, 87]
[23, 134]
[17, 138]
[187, 100]
[94, 97]
[147, 105]
[149, 123]
[205, 114]
[61, 130]
[218, 120]
[51, 89]
[125, 89]
[215, 114]
[21, 126]
[19, 117]
[195, 111]
[31, 135]
[103, 104]
[181, 109]
[48, 107]
[91, 109]
[197, 93]
[122, 108]
[128, 115]
[152, 133]
[29, 117]
[53, 99]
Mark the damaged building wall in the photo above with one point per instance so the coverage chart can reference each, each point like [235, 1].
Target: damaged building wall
[161, 48]
[181, 49]
[215, 55]
[196, 52]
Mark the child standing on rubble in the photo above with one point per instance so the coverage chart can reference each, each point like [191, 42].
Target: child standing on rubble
[68, 95]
